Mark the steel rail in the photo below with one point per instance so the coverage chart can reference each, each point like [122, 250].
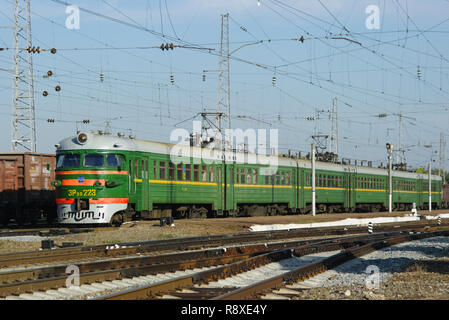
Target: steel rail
[310, 270]
[116, 274]
[130, 248]
[19, 281]
[164, 287]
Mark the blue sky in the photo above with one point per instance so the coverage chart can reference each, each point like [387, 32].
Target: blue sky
[374, 73]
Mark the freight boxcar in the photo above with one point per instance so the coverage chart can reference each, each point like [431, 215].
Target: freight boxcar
[26, 191]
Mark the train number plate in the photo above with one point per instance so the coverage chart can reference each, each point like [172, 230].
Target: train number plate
[82, 193]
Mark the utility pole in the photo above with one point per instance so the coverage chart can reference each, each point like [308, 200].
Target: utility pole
[23, 130]
[334, 128]
[430, 185]
[400, 157]
[442, 164]
[313, 180]
[224, 90]
[390, 177]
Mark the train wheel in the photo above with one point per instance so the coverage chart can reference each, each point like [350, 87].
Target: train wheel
[117, 219]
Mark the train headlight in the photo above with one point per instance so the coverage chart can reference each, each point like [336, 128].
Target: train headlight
[82, 138]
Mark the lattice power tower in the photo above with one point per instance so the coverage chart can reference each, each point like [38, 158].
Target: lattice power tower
[23, 131]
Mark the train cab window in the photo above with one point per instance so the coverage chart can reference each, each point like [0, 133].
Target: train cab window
[196, 172]
[278, 178]
[68, 160]
[94, 160]
[255, 173]
[242, 175]
[171, 171]
[267, 179]
[162, 175]
[188, 172]
[111, 160]
[248, 176]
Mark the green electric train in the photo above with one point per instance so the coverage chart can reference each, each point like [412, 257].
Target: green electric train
[103, 179]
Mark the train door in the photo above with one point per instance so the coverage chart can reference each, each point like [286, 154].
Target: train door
[145, 184]
[297, 183]
[229, 183]
[349, 179]
[131, 181]
[221, 192]
[419, 190]
[138, 171]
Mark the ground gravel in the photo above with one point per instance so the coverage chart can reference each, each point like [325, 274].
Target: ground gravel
[412, 270]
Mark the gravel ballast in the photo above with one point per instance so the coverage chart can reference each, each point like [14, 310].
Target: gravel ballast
[398, 272]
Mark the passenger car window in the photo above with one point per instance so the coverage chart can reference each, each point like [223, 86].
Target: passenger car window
[94, 160]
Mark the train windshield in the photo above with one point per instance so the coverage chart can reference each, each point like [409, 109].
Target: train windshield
[114, 160]
[94, 160]
[68, 160]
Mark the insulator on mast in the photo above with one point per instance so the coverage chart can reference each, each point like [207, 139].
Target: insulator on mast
[172, 79]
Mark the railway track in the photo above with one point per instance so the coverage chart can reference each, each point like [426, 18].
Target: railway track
[50, 278]
[144, 263]
[197, 285]
[83, 253]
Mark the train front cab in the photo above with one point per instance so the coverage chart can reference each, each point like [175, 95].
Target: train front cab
[91, 187]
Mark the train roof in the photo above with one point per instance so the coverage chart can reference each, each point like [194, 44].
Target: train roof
[107, 142]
